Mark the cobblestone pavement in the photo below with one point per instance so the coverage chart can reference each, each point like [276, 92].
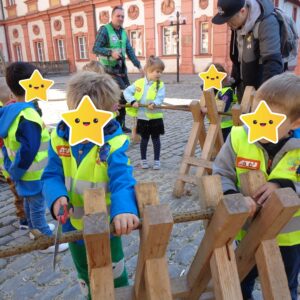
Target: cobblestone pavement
[30, 276]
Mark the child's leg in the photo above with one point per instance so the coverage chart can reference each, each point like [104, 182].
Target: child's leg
[37, 208]
[144, 145]
[156, 146]
[247, 284]
[27, 213]
[291, 259]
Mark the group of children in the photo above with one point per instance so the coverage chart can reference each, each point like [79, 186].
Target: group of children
[47, 169]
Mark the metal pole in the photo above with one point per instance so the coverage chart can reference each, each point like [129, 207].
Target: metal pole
[177, 30]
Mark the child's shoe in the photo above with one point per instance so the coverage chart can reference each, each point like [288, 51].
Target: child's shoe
[156, 165]
[51, 226]
[23, 224]
[144, 164]
[51, 249]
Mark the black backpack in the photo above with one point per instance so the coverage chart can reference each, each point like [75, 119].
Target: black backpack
[288, 37]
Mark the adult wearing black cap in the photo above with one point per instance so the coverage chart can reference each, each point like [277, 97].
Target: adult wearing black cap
[255, 40]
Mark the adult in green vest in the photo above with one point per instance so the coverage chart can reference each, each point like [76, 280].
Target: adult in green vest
[111, 46]
[278, 161]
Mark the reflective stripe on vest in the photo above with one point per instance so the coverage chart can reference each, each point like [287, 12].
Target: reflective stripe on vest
[36, 169]
[91, 173]
[290, 234]
[151, 95]
[226, 121]
[114, 44]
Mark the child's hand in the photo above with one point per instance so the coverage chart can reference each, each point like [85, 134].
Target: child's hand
[125, 223]
[135, 104]
[264, 192]
[151, 106]
[61, 201]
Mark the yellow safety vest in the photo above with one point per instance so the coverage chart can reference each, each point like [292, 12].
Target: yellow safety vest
[249, 156]
[91, 173]
[40, 161]
[226, 120]
[151, 95]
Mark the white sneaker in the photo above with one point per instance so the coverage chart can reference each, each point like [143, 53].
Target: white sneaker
[51, 226]
[144, 164]
[51, 249]
[156, 165]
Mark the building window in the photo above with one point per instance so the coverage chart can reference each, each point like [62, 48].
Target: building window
[169, 40]
[18, 49]
[82, 47]
[135, 37]
[204, 38]
[40, 51]
[61, 50]
[295, 10]
[11, 2]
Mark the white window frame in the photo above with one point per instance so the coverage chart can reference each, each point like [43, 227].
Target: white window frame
[82, 47]
[40, 51]
[11, 2]
[136, 42]
[204, 40]
[19, 52]
[61, 49]
[169, 41]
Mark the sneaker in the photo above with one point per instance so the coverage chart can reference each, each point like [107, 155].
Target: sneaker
[156, 165]
[51, 249]
[126, 130]
[51, 226]
[23, 224]
[144, 164]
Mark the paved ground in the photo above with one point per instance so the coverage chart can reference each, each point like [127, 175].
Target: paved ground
[30, 276]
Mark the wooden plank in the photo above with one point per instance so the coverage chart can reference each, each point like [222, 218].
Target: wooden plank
[271, 271]
[251, 182]
[156, 219]
[197, 162]
[146, 194]
[247, 99]
[224, 273]
[274, 215]
[101, 283]
[230, 215]
[188, 179]
[95, 201]
[157, 281]
[236, 111]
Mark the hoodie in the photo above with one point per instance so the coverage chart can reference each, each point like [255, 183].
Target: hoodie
[121, 181]
[29, 136]
[255, 60]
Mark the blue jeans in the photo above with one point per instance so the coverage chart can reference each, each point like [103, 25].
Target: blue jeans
[291, 260]
[35, 209]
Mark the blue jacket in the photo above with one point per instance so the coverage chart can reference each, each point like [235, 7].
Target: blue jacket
[297, 133]
[121, 181]
[29, 136]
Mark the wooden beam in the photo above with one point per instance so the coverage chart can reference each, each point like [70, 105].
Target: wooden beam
[271, 271]
[230, 215]
[224, 274]
[251, 182]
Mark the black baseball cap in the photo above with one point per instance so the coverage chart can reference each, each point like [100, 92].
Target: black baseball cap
[226, 10]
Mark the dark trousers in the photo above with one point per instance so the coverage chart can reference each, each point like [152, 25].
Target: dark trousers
[291, 260]
[123, 83]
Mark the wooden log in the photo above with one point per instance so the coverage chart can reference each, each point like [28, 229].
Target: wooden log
[230, 215]
[247, 99]
[96, 235]
[274, 215]
[251, 182]
[271, 271]
[224, 274]
[236, 111]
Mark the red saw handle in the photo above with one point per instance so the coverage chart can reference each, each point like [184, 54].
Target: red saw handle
[63, 214]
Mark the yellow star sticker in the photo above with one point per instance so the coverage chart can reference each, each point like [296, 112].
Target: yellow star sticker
[263, 123]
[86, 122]
[36, 87]
[212, 78]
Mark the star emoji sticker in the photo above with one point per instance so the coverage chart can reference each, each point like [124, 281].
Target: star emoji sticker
[212, 78]
[263, 123]
[36, 87]
[86, 122]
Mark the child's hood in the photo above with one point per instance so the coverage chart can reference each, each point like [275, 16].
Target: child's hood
[111, 130]
[9, 113]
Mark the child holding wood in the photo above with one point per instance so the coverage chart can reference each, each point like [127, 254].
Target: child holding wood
[279, 162]
[73, 169]
[149, 91]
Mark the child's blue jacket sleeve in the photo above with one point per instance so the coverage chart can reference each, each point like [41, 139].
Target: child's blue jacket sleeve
[161, 93]
[53, 179]
[121, 183]
[129, 92]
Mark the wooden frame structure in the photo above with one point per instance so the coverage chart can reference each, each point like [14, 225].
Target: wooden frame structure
[210, 142]
[215, 260]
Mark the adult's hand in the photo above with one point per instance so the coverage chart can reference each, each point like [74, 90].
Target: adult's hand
[115, 54]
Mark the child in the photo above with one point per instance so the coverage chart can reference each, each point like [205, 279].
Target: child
[148, 91]
[279, 162]
[94, 66]
[25, 153]
[5, 99]
[227, 95]
[92, 166]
